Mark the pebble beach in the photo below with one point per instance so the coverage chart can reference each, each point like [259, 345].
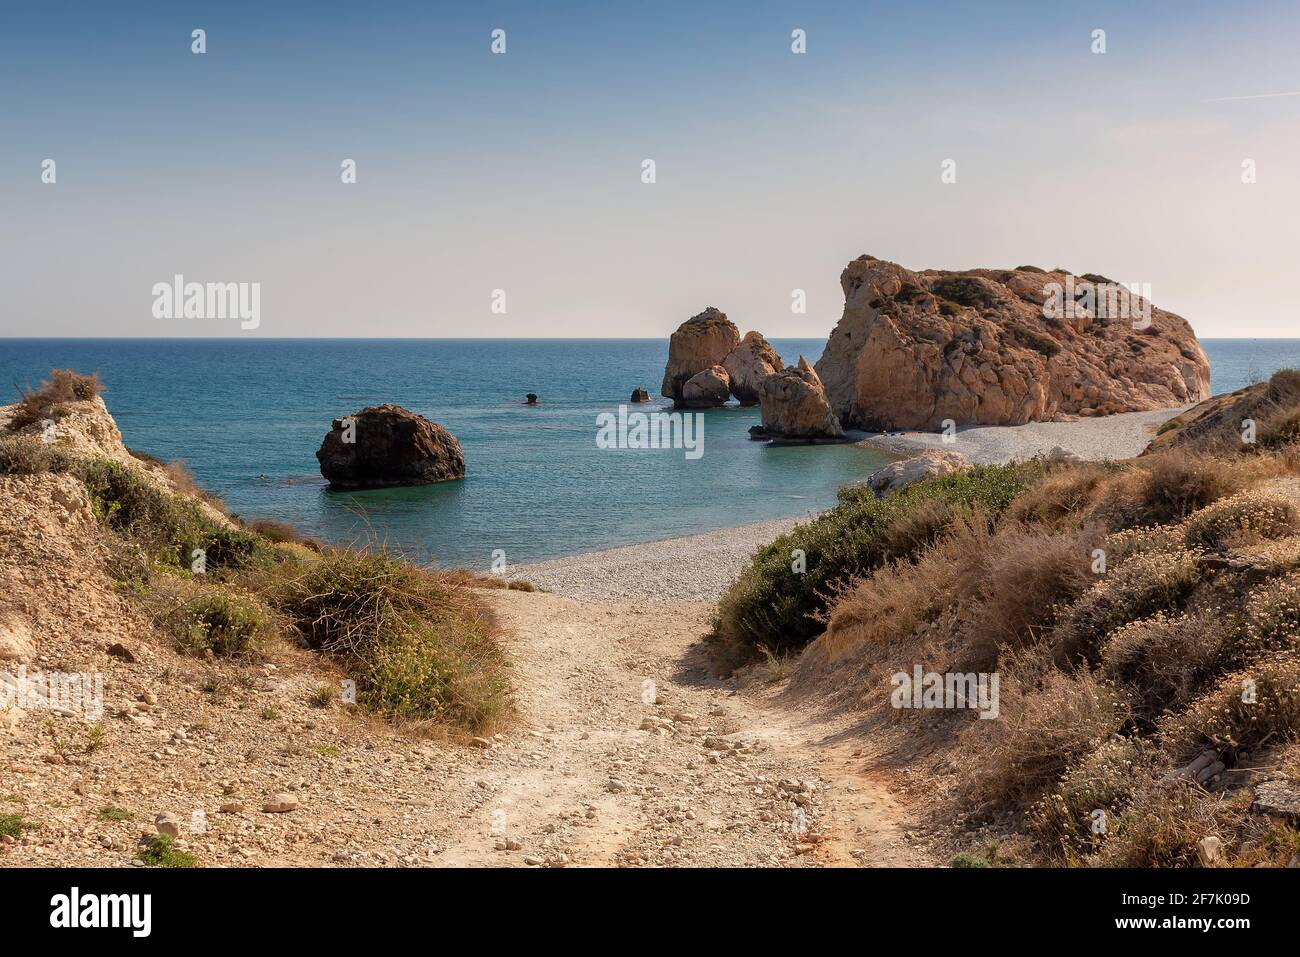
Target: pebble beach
[700, 567]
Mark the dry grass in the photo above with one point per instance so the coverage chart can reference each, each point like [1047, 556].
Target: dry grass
[1048, 721]
[29, 455]
[184, 482]
[47, 400]
[420, 646]
[1247, 518]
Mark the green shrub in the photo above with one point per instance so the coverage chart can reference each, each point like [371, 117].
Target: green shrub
[774, 605]
[161, 851]
[13, 825]
[217, 620]
[113, 813]
[965, 290]
[419, 647]
[29, 455]
[167, 527]
[969, 859]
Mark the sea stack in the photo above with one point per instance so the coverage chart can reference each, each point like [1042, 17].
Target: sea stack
[700, 343]
[795, 409]
[1001, 347]
[387, 445]
[749, 364]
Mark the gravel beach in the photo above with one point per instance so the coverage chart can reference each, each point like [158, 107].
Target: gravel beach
[699, 567]
[690, 568]
[1119, 436]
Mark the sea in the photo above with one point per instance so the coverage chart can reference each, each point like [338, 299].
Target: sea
[247, 416]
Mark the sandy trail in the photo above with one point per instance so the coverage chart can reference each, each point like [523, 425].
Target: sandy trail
[723, 776]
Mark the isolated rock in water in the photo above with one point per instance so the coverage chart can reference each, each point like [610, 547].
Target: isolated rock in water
[706, 390]
[932, 463]
[699, 343]
[640, 395]
[530, 398]
[749, 364]
[915, 348]
[389, 445]
[794, 406]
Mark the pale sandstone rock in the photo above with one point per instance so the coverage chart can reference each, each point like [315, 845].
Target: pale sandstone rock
[280, 804]
[699, 343]
[749, 364]
[794, 406]
[16, 643]
[1279, 798]
[706, 390]
[931, 463]
[915, 348]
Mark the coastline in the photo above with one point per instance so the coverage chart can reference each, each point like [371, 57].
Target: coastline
[700, 567]
[685, 568]
[1120, 436]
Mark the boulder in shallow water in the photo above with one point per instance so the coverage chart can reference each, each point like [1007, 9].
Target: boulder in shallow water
[387, 445]
[706, 390]
[794, 407]
[640, 395]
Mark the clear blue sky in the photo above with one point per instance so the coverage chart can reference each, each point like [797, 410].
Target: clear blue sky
[522, 172]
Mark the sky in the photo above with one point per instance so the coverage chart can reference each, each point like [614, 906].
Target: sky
[522, 171]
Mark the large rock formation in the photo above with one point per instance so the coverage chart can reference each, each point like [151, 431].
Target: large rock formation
[699, 343]
[794, 407]
[932, 463]
[389, 445]
[915, 348]
[749, 364]
[706, 390]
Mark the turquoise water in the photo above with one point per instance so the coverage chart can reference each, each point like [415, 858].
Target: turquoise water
[536, 485]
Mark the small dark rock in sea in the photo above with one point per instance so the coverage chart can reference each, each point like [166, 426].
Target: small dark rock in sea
[759, 434]
[387, 445]
[530, 399]
[640, 395]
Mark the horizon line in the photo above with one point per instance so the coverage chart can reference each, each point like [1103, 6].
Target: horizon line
[474, 338]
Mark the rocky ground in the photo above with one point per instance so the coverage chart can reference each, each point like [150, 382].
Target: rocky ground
[626, 753]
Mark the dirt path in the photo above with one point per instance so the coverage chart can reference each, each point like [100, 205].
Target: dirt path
[687, 771]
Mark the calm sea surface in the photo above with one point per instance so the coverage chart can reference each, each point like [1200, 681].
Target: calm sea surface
[248, 416]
